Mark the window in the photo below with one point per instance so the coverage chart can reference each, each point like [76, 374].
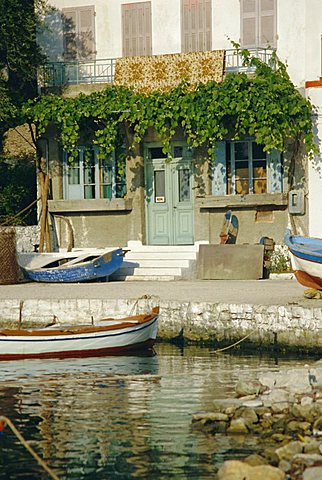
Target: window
[196, 25]
[258, 23]
[79, 33]
[88, 177]
[136, 29]
[242, 167]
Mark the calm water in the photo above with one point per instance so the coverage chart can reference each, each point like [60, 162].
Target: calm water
[121, 417]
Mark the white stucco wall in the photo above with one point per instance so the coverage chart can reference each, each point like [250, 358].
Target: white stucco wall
[315, 170]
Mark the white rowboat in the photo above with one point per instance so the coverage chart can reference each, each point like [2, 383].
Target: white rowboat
[112, 336]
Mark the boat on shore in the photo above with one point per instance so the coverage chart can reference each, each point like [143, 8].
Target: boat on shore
[71, 267]
[110, 336]
[306, 259]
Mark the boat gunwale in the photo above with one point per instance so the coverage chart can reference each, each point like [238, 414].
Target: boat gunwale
[296, 248]
[127, 322]
[69, 265]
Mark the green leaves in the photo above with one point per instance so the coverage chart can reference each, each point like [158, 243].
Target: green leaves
[265, 105]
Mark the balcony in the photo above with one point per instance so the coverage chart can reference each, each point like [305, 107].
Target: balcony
[57, 74]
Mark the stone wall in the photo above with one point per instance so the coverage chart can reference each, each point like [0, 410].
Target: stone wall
[220, 325]
[27, 237]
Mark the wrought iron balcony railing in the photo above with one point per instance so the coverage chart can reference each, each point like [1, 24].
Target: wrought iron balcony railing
[56, 74]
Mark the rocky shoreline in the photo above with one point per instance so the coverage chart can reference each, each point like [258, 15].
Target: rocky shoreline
[283, 412]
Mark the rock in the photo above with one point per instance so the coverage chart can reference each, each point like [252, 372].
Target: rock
[278, 400]
[305, 401]
[285, 466]
[288, 451]
[305, 412]
[222, 404]
[255, 460]
[317, 427]
[313, 446]
[236, 470]
[210, 417]
[312, 473]
[237, 426]
[271, 456]
[252, 403]
[294, 380]
[249, 416]
[307, 459]
[249, 387]
[294, 426]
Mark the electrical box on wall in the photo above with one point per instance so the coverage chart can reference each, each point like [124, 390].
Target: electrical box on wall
[296, 202]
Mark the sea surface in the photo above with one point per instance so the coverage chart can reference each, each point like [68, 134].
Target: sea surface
[123, 417]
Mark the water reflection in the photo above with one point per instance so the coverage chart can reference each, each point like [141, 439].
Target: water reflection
[121, 417]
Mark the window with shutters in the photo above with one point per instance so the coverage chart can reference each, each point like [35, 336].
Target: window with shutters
[196, 25]
[136, 29]
[242, 167]
[258, 23]
[86, 176]
[79, 33]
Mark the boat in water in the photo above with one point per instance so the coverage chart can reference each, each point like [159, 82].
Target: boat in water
[306, 259]
[71, 267]
[110, 336]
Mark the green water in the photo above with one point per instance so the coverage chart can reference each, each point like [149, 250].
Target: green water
[122, 417]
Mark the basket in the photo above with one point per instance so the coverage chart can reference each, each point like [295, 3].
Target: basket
[9, 268]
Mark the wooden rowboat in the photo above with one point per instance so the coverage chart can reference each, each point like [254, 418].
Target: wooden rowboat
[71, 267]
[306, 259]
[111, 336]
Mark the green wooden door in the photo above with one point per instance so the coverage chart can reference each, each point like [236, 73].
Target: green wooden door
[169, 201]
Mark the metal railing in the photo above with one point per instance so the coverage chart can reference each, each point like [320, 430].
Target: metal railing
[56, 74]
[234, 60]
[78, 72]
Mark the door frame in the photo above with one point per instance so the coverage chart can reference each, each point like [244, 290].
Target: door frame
[186, 157]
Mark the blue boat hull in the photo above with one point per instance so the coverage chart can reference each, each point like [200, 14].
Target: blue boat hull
[100, 267]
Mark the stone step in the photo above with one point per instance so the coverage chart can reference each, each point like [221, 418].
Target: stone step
[134, 247]
[160, 255]
[156, 263]
[142, 278]
[175, 271]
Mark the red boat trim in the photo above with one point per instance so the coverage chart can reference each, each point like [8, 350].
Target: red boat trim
[308, 280]
[148, 344]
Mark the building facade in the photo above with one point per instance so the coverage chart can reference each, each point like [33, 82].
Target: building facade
[181, 202]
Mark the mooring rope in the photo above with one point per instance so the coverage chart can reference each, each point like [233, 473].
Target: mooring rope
[6, 421]
[234, 344]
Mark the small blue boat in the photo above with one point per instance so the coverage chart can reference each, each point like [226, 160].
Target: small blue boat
[71, 267]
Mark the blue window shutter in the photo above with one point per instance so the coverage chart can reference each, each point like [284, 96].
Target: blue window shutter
[219, 183]
[274, 172]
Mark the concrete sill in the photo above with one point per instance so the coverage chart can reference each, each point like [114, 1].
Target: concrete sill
[95, 205]
[244, 201]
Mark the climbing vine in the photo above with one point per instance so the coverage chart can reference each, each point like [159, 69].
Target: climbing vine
[264, 105]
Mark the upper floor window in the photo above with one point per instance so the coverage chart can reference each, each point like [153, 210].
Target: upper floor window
[258, 23]
[88, 177]
[79, 33]
[242, 167]
[136, 29]
[196, 25]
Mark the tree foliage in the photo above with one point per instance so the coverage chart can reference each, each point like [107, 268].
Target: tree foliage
[264, 105]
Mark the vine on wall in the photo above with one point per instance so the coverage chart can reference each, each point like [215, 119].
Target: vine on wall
[264, 105]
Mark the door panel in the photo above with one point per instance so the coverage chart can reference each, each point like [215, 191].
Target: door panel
[169, 206]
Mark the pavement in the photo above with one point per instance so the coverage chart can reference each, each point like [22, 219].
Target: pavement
[254, 292]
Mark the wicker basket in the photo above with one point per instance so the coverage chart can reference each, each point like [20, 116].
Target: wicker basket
[9, 269]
